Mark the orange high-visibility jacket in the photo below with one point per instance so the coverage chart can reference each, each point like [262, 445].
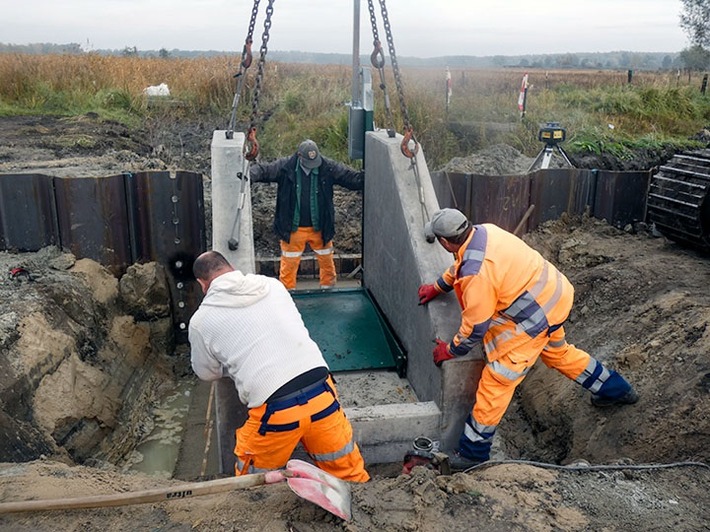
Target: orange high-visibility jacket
[508, 292]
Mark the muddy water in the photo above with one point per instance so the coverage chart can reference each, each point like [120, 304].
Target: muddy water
[157, 454]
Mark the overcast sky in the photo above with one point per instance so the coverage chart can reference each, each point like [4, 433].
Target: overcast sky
[422, 28]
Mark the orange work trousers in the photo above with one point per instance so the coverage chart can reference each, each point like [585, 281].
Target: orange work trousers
[291, 257]
[328, 439]
[500, 377]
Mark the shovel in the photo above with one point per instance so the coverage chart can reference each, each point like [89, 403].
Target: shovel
[304, 479]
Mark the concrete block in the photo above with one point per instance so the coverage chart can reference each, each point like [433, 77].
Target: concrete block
[230, 193]
[386, 432]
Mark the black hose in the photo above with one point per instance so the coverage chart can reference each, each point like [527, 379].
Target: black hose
[619, 467]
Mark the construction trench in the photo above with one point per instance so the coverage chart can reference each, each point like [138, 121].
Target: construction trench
[96, 374]
[404, 398]
[375, 337]
[381, 353]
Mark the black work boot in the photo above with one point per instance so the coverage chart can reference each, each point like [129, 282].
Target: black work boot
[458, 463]
[628, 398]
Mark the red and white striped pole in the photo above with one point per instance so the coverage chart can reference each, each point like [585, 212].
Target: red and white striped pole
[448, 88]
[522, 98]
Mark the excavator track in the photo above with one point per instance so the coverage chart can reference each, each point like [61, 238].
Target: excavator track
[678, 201]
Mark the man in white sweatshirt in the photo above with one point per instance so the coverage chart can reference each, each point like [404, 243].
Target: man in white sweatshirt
[248, 328]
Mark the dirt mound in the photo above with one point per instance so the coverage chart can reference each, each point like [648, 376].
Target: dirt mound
[499, 159]
[498, 498]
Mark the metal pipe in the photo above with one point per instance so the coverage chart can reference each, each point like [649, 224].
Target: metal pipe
[355, 95]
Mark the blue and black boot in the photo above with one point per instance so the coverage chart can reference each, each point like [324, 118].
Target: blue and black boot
[615, 391]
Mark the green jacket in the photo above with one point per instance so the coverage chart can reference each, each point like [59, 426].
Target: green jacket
[283, 172]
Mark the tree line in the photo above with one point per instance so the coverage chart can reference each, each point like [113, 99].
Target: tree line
[596, 61]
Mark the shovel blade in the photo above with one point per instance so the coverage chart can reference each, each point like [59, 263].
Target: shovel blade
[319, 487]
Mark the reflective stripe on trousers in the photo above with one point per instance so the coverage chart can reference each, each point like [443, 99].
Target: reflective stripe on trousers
[501, 376]
[292, 251]
[319, 425]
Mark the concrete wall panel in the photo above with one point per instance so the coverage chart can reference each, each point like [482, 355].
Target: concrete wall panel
[396, 260]
[230, 191]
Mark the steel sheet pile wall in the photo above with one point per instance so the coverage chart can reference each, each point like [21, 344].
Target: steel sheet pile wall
[557, 191]
[621, 197]
[617, 197]
[116, 220]
[93, 220]
[28, 217]
[167, 219]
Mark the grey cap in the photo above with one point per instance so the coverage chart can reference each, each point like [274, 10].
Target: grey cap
[447, 223]
[308, 154]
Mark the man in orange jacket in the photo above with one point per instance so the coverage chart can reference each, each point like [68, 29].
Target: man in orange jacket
[515, 302]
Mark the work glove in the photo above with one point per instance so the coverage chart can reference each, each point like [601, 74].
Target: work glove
[441, 352]
[427, 292]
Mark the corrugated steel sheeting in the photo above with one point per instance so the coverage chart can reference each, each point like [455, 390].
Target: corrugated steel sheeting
[116, 220]
[557, 191]
[621, 197]
[617, 197]
[167, 217]
[498, 199]
[93, 219]
[28, 216]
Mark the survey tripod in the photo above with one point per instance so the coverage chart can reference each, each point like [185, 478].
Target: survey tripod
[552, 135]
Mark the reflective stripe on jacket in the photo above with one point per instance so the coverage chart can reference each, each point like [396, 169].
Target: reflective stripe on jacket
[507, 291]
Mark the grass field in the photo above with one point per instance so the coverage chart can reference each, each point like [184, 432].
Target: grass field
[601, 110]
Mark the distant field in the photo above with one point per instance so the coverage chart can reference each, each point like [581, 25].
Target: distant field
[600, 109]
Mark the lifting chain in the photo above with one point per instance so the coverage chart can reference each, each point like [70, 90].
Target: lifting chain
[408, 129]
[409, 146]
[377, 58]
[244, 64]
[251, 146]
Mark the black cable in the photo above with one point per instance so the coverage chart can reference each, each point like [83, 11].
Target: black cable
[619, 467]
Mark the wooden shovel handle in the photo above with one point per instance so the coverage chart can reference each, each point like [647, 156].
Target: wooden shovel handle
[519, 228]
[181, 491]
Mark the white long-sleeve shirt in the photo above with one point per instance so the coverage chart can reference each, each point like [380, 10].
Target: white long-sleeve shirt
[250, 325]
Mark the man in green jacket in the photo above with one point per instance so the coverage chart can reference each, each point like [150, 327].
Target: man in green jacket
[305, 214]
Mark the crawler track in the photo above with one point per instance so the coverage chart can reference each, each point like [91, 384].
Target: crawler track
[678, 199]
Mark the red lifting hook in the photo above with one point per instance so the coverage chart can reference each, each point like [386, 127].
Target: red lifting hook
[253, 152]
[409, 136]
[247, 54]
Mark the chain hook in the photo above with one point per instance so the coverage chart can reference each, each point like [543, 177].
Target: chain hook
[251, 145]
[377, 57]
[243, 66]
[404, 147]
[246, 54]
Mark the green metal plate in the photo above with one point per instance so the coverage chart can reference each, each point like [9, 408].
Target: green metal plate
[349, 329]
